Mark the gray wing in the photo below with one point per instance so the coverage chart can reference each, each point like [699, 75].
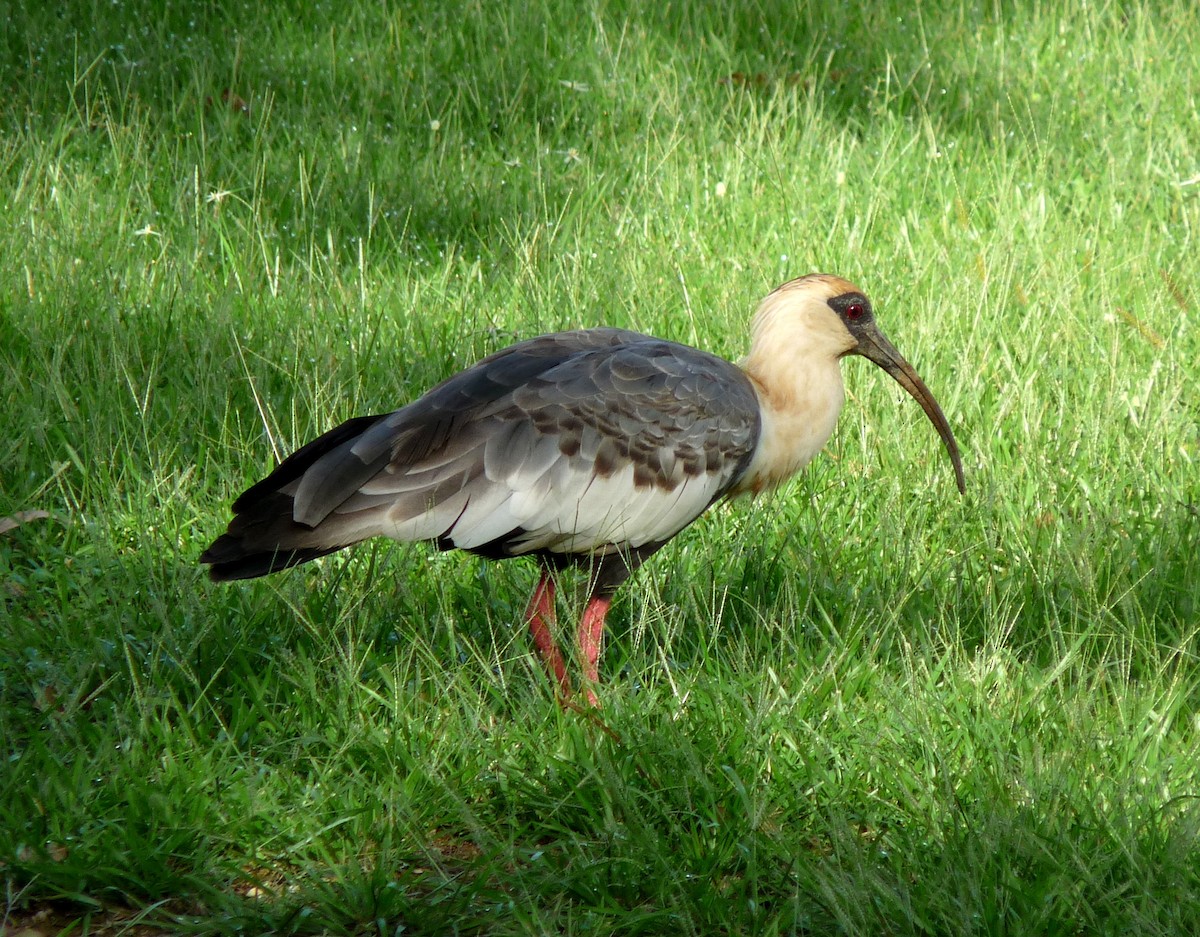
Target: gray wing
[584, 441]
[568, 443]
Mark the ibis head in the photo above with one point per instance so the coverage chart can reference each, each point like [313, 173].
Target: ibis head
[872, 344]
[801, 331]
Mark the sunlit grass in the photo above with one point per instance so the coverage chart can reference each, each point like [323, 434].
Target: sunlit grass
[865, 705]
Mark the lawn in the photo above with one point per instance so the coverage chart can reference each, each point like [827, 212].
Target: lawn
[863, 705]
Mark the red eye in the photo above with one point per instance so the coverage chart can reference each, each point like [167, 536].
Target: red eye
[855, 311]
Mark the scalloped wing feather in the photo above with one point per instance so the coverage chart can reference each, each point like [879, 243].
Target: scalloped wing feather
[592, 440]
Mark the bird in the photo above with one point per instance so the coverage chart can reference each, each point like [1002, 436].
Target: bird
[587, 448]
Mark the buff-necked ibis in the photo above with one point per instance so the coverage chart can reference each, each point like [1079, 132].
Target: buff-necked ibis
[590, 447]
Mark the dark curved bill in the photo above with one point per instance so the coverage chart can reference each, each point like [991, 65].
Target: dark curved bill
[874, 345]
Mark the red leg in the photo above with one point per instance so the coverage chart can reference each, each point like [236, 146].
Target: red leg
[540, 615]
[591, 639]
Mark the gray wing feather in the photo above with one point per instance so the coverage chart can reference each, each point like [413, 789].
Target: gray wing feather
[576, 441]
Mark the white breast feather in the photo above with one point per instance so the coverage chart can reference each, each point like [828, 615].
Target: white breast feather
[568, 508]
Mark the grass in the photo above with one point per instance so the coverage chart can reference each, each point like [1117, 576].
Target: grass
[863, 706]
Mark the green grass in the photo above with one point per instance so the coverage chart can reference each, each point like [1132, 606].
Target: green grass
[863, 706]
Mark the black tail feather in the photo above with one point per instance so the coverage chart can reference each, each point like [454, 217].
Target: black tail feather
[263, 537]
[252, 565]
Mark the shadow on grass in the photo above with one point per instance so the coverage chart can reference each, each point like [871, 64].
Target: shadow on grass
[447, 135]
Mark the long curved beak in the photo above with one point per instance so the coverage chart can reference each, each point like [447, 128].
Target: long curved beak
[874, 345]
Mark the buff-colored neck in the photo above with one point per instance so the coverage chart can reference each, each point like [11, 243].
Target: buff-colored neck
[796, 343]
